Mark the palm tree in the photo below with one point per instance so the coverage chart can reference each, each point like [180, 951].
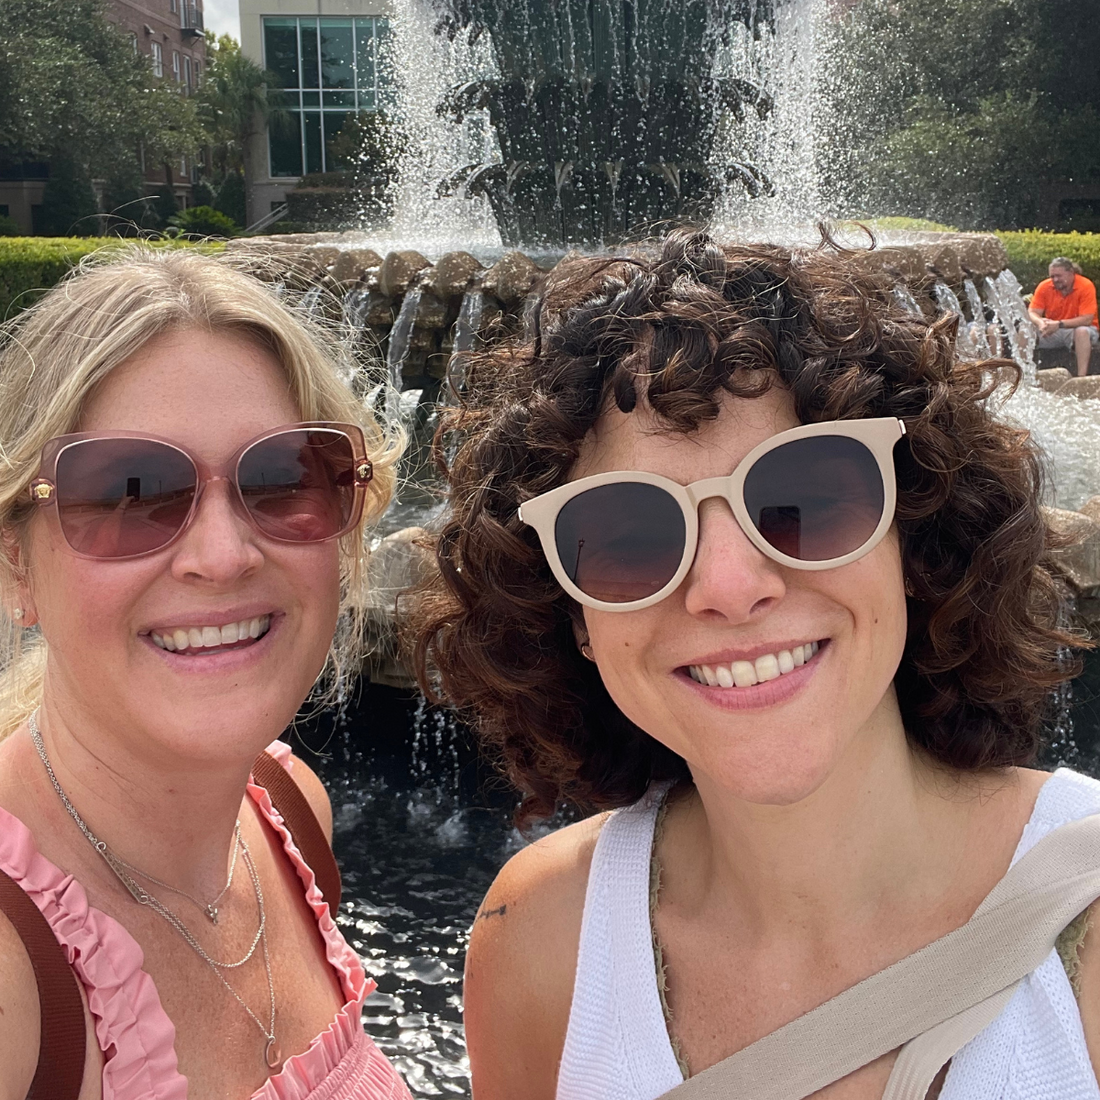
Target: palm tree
[234, 106]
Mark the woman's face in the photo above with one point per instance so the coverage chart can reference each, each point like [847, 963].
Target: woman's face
[778, 741]
[210, 392]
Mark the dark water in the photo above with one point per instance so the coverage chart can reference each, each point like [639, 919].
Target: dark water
[420, 831]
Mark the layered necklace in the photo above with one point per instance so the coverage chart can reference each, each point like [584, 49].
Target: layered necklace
[122, 871]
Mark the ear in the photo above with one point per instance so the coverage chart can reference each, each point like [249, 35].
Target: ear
[18, 599]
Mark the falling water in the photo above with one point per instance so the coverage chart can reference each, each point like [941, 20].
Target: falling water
[979, 332]
[784, 141]
[904, 297]
[466, 332]
[399, 348]
[428, 67]
[1005, 297]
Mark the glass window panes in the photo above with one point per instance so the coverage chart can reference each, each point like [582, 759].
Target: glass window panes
[281, 50]
[311, 65]
[326, 69]
[285, 144]
[337, 54]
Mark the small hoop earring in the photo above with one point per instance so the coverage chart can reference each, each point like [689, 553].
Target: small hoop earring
[17, 613]
[586, 651]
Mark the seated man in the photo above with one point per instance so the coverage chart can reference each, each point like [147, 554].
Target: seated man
[1063, 309]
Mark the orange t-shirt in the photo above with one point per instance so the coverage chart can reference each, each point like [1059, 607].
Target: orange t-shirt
[1079, 301]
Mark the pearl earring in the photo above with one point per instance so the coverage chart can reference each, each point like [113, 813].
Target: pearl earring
[17, 613]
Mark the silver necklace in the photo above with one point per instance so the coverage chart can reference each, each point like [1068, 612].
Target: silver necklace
[209, 908]
[272, 1053]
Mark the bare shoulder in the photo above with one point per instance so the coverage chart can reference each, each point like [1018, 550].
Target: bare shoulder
[314, 790]
[19, 1015]
[521, 963]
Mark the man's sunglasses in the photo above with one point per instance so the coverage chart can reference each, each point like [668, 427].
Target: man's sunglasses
[122, 494]
[814, 497]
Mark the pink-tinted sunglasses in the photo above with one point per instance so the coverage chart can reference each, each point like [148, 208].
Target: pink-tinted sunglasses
[116, 495]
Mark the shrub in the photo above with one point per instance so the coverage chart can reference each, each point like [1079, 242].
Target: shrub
[1031, 250]
[29, 266]
[205, 221]
[9, 227]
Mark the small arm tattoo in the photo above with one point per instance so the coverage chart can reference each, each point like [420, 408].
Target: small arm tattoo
[485, 914]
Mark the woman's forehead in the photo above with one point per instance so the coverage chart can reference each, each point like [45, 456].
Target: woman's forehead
[641, 440]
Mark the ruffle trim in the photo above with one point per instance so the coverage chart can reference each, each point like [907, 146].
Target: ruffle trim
[132, 1028]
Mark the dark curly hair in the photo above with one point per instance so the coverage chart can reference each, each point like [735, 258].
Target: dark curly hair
[493, 632]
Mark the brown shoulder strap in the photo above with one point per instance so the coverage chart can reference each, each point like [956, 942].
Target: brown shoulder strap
[302, 823]
[60, 1069]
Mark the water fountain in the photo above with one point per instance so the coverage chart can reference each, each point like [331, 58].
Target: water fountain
[531, 127]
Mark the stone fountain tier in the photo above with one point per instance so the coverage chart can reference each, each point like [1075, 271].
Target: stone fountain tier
[343, 263]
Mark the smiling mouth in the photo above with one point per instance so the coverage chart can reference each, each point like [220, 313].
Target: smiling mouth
[211, 639]
[745, 674]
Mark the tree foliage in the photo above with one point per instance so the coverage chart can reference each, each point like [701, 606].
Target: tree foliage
[233, 102]
[72, 85]
[965, 111]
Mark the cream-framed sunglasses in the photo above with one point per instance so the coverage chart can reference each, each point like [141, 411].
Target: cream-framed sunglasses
[815, 497]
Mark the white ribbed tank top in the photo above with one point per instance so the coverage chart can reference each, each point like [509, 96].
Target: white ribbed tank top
[617, 1046]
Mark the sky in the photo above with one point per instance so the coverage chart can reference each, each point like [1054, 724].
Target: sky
[222, 17]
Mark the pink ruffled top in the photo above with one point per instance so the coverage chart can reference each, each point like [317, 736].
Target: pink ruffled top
[133, 1030]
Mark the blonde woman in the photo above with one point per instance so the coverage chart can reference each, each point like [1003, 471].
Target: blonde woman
[186, 479]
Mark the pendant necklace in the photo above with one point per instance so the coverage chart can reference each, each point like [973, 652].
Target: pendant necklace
[121, 869]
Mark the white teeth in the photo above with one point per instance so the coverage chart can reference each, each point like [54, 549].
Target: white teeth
[209, 637]
[767, 667]
[744, 674]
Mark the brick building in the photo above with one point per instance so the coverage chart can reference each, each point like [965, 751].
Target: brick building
[170, 34]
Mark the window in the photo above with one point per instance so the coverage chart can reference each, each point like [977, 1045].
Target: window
[187, 71]
[176, 66]
[173, 5]
[328, 69]
[134, 43]
[157, 54]
[198, 74]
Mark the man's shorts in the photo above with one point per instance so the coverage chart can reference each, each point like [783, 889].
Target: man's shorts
[1063, 338]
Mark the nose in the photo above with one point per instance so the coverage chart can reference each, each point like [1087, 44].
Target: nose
[730, 579]
[219, 548]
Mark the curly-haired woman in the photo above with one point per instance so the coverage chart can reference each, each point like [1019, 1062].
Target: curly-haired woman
[738, 552]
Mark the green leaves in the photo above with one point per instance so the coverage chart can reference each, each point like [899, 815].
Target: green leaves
[965, 111]
[72, 84]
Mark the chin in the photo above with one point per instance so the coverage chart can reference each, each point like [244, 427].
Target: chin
[769, 776]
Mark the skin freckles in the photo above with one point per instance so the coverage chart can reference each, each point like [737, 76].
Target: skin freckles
[737, 598]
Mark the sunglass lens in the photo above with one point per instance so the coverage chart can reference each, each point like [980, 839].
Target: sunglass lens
[299, 486]
[816, 498]
[621, 542]
[120, 497]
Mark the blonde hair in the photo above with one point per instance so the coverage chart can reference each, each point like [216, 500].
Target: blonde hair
[55, 353]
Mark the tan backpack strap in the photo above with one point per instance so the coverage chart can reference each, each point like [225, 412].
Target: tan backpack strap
[1010, 935]
[61, 1048]
[302, 824]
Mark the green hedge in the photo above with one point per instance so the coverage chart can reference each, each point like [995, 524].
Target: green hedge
[29, 266]
[1031, 250]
